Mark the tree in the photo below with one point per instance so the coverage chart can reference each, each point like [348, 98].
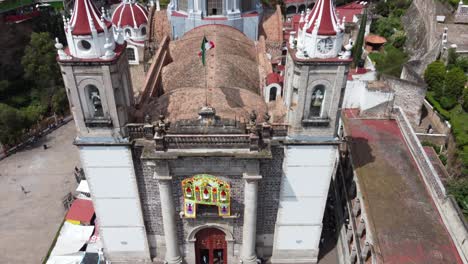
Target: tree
[382, 8]
[435, 78]
[387, 26]
[391, 61]
[454, 83]
[452, 57]
[39, 61]
[465, 100]
[462, 63]
[12, 123]
[60, 102]
[357, 49]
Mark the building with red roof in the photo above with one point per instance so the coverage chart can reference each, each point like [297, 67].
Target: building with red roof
[80, 212]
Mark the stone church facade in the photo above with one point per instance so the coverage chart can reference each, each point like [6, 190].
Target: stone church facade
[201, 169]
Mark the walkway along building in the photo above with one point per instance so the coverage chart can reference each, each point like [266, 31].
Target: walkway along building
[202, 167]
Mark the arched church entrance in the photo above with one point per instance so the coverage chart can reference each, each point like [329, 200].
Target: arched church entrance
[211, 246]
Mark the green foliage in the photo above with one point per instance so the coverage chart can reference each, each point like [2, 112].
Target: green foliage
[60, 102]
[39, 61]
[459, 189]
[435, 78]
[448, 102]
[12, 123]
[387, 26]
[454, 83]
[398, 39]
[462, 63]
[465, 100]
[50, 22]
[34, 112]
[437, 106]
[452, 57]
[390, 61]
[382, 9]
[357, 49]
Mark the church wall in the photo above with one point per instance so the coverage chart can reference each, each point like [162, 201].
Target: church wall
[247, 25]
[268, 200]
[227, 169]
[150, 203]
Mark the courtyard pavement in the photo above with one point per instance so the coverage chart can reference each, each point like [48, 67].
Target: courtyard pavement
[30, 217]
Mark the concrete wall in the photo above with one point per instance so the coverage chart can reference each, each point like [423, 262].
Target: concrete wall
[304, 191]
[111, 178]
[358, 96]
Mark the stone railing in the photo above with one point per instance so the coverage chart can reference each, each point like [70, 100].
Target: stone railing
[448, 209]
[427, 170]
[279, 130]
[135, 130]
[165, 140]
[206, 141]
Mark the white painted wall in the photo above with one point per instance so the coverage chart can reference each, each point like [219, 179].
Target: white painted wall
[111, 178]
[358, 96]
[304, 189]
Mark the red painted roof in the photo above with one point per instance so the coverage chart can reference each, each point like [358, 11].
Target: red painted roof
[81, 210]
[129, 14]
[323, 15]
[274, 78]
[350, 10]
[405, 224]
[85, 13]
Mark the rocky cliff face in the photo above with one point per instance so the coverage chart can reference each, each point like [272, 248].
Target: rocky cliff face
[423, 41]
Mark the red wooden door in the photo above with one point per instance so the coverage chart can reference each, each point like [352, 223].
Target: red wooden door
[211, 246]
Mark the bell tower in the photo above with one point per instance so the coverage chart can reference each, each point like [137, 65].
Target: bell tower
[315, 79]
[316, 73]
[95, 73]
[97, 81]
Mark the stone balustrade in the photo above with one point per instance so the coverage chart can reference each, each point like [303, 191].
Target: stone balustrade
[206, 141]
[135, 130]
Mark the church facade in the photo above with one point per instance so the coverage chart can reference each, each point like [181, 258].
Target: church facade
[201, 169]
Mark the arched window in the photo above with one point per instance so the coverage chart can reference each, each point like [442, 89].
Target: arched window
[128, 32]
[214, 7]
[131, 54]
[272, 94]
[291, 10]
[301, 8]
[143, 31]
[94, 101]
[316, 101]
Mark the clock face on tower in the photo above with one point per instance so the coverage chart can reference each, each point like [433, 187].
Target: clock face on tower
[325, 45]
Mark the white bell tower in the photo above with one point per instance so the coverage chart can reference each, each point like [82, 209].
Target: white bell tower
[97, 81]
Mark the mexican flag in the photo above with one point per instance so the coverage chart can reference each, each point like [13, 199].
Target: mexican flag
[205, 46]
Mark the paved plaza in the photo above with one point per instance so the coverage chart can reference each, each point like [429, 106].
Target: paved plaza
[30, 217]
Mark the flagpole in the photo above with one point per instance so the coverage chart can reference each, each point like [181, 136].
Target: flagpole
[206, 87]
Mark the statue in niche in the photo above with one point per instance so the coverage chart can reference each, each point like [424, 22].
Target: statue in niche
[316, 102]
[97, 103]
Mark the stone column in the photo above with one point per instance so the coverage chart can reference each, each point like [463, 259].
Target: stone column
[169, 220]
[250, 219]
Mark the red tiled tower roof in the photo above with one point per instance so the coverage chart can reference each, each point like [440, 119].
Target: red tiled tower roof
[86, 13]
[129, 13]
[323, 15]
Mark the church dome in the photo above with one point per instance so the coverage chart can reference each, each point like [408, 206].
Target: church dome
[132, 18]
[323, 18]
[86, 17]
